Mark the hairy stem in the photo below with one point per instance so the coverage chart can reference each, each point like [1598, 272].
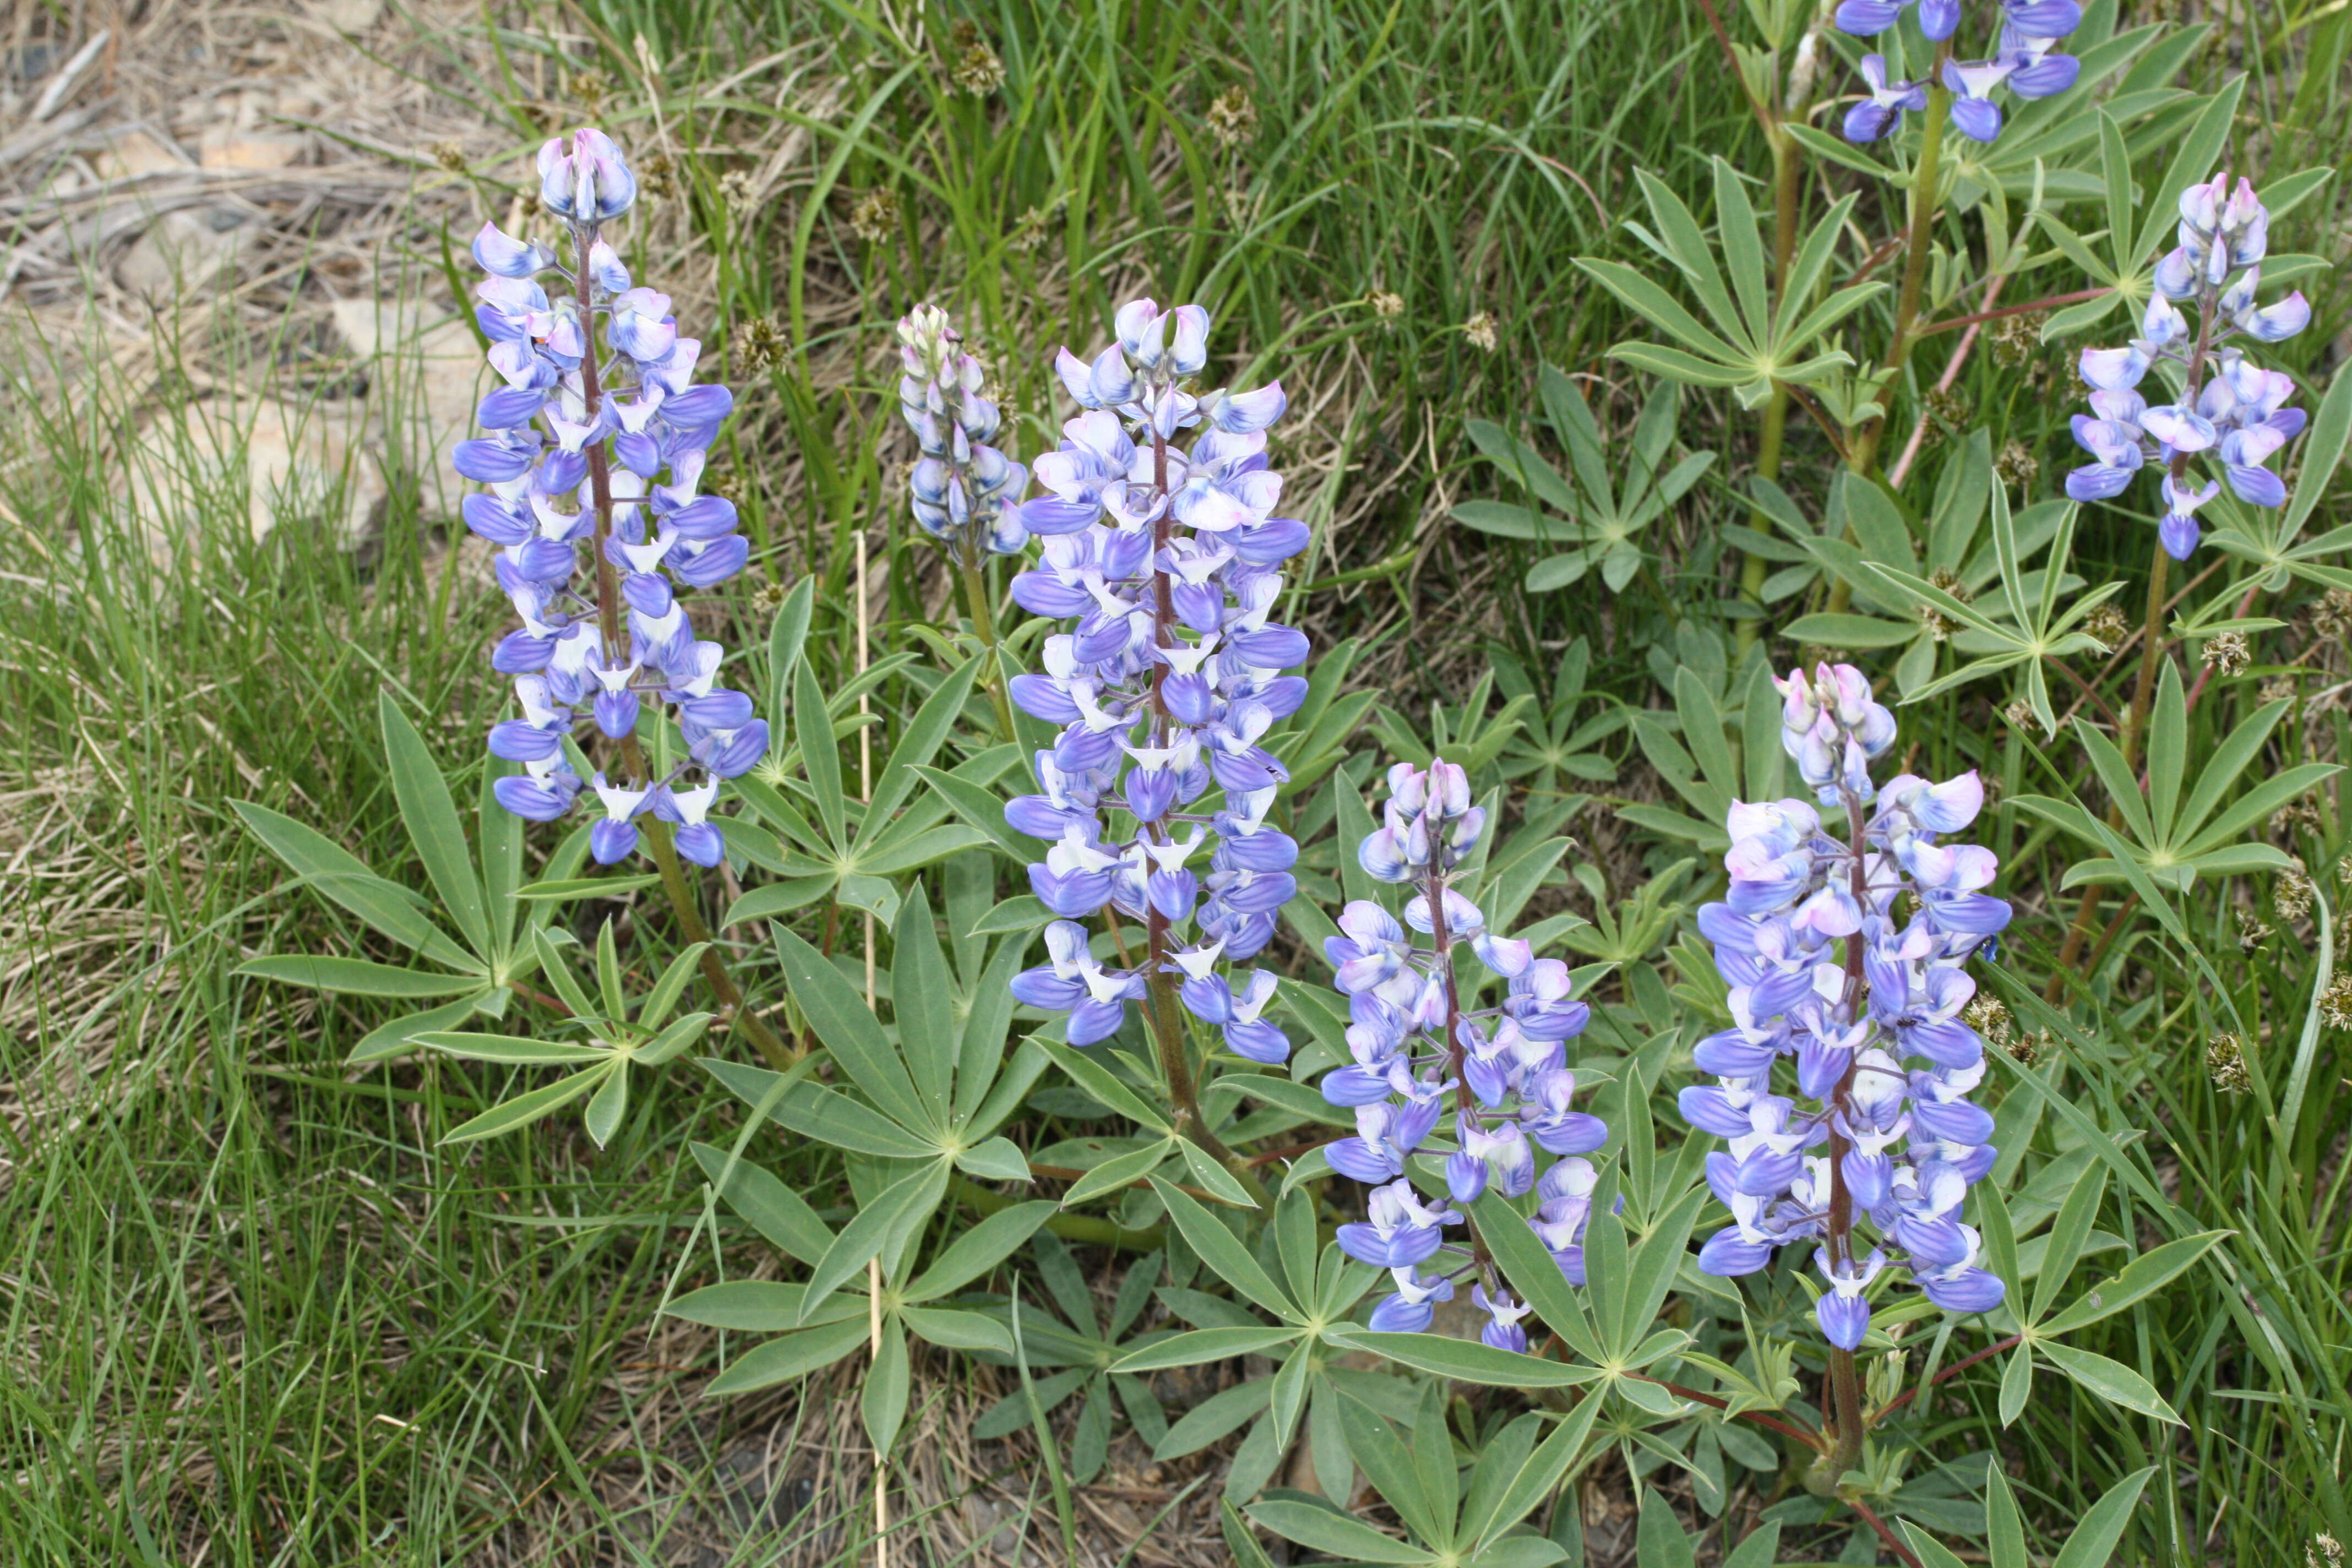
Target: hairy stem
[777, 1053]
[1846, 1429]
[1165, 1016]
[2151, 650]
[1862, 457]
[983, 624]
[1441, 938]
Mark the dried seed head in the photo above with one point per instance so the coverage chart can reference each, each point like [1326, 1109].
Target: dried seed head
[2016, 340]
[1940, 626]
[1988, 1016]
[2332, 618]
[2277, 689]
[1029, 230]
[1232, 117]
[978, 70]
[875, 219]
[2017, 465]
[2020, 715]
[2225, 1058]
[1387, 306]
[1480, 330]
[450, 156]
[2227, 653]
[2336, 1003]
[769, 597]
[2252, 932]
[657, 176]
[2291, 894]
[2107, 623]
[735, 189]
[2295, 816]
[760, 344]
[590, 89]
[1946, 412]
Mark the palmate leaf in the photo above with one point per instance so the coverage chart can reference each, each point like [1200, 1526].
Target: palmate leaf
[486, 906]
[2171, 841]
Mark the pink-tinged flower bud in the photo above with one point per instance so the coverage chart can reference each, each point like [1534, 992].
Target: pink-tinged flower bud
[1449, 788]
[1142, 331]
[2200, 205]
[1408, 789]
[1798, 706]
[1848, 689]
[2245, 225]
[582, 177]
[2162, 323]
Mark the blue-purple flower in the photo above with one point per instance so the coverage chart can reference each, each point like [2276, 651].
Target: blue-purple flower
[1503, 1069]
[1888, 102]
[610, 457]
[1820, 972]
[2230, 409]
[1164, 558]
[2024, 59]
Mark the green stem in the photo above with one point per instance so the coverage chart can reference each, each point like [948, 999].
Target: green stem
[983, 624]
[1917, 245]
[2151, 650]
[1162, 1013]
[1925, 177]
[1845, 1380]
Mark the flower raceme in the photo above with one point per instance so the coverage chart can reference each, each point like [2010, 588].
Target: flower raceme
[1881, 1130]
[608, 456]
[1505, 1070]
[1165, 559]
[2025, 62]
[965, 493]
[2228, 410]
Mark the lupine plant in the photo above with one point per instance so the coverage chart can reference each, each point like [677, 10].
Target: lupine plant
[1852, 1020]
[1418, 1049]
[1171, 678]
[963, 492]
[608, 454]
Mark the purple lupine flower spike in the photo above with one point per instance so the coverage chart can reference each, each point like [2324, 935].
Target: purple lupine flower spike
[1164, 559]
[1505, 1070]
[1820, 970]
[964, 492]
[567, 430]
[2232, 412]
